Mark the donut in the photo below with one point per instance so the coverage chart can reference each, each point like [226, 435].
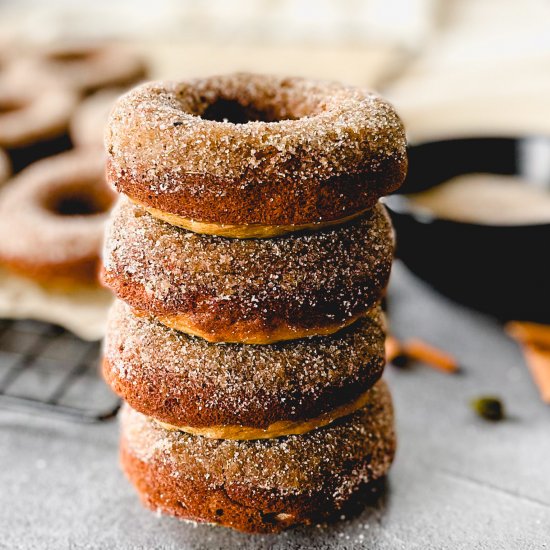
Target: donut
[32, 109]
[5, 168]
[52, 218]
[265, 485]
[88, 122]
[10, 51]
[87, 67]
[240, 391]
[254, 156]
[254, 291]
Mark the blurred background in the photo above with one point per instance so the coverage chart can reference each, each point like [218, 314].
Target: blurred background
[471, 81]
[469, 78]
[484, 58]
[449, 65]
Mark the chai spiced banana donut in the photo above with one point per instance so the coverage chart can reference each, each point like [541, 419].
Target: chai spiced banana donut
[88, 122]
[32, 109]
[241, 391]
[265, 485]
[248, 155]
[254, 291]
[52, 218]
[87, 67]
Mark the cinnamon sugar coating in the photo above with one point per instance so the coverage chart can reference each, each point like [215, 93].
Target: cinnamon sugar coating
[291, 152]
[237, 290]
[259, 486]
[187, 381]
[40, 236]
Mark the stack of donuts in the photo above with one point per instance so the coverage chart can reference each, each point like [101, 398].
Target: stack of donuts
[249, 255]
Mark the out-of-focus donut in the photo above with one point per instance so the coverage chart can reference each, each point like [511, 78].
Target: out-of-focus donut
[88, 122]
[87, 67]
[32, 110]
[52, 218]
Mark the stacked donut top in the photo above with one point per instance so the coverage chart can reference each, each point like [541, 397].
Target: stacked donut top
[224, 161]
[254, 156]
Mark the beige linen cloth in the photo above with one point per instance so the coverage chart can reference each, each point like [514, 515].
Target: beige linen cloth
[83, 311]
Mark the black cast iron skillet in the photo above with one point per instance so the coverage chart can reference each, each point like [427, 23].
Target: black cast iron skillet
[503, 270]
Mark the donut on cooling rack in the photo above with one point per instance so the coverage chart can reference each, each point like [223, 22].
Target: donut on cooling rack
[254, 291]
[240, 391]
[254, 156]
[87, 67]
[5, 168]
[52, 217]
[265, 485]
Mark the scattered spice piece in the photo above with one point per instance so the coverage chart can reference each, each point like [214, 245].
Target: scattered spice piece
[421, 351]
[394, 352]
[400, 361]
[488, 407]
[529, 333]
[538, 361]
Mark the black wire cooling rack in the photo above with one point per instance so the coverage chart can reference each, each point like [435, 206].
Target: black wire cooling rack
[46, 369]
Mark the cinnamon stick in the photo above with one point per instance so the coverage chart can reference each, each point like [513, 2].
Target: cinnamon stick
[538, 361]
[529, 333]
[421, 351]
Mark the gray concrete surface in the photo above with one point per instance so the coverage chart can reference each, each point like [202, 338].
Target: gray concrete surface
[458, 481]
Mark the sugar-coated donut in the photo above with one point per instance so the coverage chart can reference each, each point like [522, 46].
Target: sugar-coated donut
[32, 109]
[265, 485]
[254, 291]
[52, 218]
[88, 122]
[254, 156]
[241, 391]
[5, 168]
[87, 67]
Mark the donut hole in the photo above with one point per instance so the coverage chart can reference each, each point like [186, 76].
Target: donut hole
[231, 110]
[76, 205]
[78, 202]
